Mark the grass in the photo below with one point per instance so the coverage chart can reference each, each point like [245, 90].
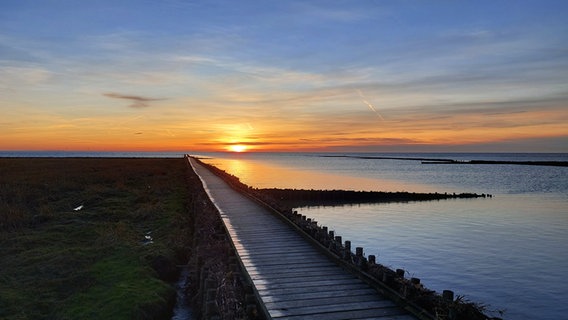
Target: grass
[94, 263]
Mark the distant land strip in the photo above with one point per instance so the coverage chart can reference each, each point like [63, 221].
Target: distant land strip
[452, 161]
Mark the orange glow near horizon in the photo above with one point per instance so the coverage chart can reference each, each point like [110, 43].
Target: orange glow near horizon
[252, 131]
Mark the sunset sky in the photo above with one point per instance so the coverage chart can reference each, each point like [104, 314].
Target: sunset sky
[176, 75]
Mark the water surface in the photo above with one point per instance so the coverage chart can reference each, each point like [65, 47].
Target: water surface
[509, 252]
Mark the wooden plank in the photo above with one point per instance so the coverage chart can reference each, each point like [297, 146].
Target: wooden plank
[261, 272]
[271, 262]
[376, 307]
[308, 279]
[323, 301]
[263, 290]
[390, 317]
[294, 273]
[285, 267]
[275, 251]
[323, 295]
[270, 232]
[285, 258]
[262, 242]
[381, 314]
[305, 284]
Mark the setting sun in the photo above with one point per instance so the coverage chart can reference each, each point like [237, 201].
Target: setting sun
[238, 148]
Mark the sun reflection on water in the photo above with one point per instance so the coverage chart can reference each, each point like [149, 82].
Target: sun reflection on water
[262, 175]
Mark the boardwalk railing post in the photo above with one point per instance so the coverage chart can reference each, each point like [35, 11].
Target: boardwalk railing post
[347, 250]
[338, 245]
[339, 241]
[324, 235]
[360, 259]
[448, 297]
[400, 273]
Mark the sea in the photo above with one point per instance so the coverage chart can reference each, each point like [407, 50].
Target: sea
[508, 253]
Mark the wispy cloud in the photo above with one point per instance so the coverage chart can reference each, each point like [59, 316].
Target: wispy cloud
[372, 107]
[15, 76]
[137, 101]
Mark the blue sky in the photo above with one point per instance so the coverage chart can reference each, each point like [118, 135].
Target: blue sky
[284, 75]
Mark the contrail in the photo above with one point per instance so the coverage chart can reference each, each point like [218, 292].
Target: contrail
[369, 104]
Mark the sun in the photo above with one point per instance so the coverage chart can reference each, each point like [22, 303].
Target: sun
[238, 148]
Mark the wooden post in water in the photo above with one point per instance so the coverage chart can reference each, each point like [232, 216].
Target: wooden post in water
[372, 259]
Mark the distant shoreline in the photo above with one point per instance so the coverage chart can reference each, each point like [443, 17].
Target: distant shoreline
[452, 161]
[371, 156]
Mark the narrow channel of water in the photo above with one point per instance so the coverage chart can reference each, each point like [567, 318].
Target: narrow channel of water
[182, 309]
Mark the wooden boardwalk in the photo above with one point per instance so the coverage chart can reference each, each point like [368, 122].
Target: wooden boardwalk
[292, 279]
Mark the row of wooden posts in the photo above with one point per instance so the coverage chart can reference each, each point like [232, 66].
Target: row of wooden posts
[411, 290]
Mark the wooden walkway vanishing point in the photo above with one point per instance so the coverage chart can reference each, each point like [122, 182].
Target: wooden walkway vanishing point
[291, 278]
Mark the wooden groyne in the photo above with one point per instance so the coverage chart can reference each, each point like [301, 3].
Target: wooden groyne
[294, 280]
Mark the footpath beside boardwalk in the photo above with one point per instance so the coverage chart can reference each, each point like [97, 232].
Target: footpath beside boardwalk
[290, 277]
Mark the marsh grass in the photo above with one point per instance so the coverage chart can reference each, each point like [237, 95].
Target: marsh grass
[57, 263]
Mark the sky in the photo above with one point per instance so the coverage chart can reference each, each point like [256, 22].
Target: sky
[337, 76]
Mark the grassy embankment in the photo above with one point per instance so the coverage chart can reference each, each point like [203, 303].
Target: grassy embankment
[96, 262]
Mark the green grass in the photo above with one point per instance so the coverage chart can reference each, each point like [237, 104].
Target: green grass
[57, 263]
[119, 283]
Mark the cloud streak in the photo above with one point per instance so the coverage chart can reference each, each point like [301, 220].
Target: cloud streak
[369, 105]
[138, 102]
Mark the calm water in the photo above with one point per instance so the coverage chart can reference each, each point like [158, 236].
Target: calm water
[509, 252]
